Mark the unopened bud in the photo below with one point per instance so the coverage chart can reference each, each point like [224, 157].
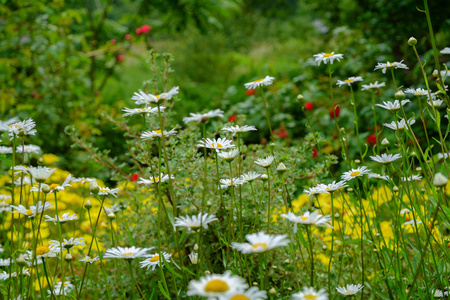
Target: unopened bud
[88, 205]
[193, 257]
[45, 188]
[300, 97]
[255, 283]
[111, 216]
[93, 186]
[357, 161]
[350, 190]
[207, 272]
[413, 153]
[195, 247]
[337, 215]
[286, 261]
[68, 257]
[395, 189]
[264, 177]
[281, 168]
[324, 247]
[435, 73]
[400, 95]
[208, 203]
[21, 260]
[385, 142]
[412, 41]
[418, 169]
[439, 180]
[272, 291]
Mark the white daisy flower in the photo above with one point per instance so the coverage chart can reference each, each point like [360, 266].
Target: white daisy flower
[446, 50]
[152, 260]
[57, 188]
[412, 223]
[202, 118]
[46, 252]
[261, 242]
[438, 294]
[63, 219]
[350, 289]
[385, 158]
[29, 149]
[216, 285]
[370, 86]
[157, 179]
[349, 175]
[40, 174]
[436, 102]
[260, 82]
[327, 57]
[127, 253]
[416, 92]
[4, 197]
[88, 260]
[6, 150]
[379, 176]
[349, 81]
[393, 106]
[83, 180]
[310, 293]
[399, 125]
[239, 129]
[5, 262]
[4, 275]
[219, 144]
[308, 218]
[4, 124]
[265, 162]
[252, 293]
[149, 135]
[225, 183]
[334, 186]
[193, 257]
[315, 190]
[195, 221]
[443, 155]
[60, 290]
[145, 110]
[33, 210]
[20, 128]
[114, 209]
[5, 206]
[390, 65]
[228, 156]
[412, 178]
[107, 191]
[67, 244]
[144, 98]
[250, 176]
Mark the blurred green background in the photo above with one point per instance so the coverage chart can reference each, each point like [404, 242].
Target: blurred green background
[75, 62]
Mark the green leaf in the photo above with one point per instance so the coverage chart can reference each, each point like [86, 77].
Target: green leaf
[171, 270]
[163, 291]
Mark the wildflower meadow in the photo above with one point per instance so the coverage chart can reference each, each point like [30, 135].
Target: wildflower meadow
[337, 189]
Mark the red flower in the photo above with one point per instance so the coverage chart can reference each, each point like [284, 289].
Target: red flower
[309, 106]
[146, 28]
[139, 31]
[282, 133]
[128, 36]
[120, 57]
[263, 140]
[113, 41]
[314, 151]
[232, 118]
[372, 139]
[134, 177]
[334, 113]
[250, 92]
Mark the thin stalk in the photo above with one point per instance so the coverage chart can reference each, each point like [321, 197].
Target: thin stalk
[308, 233]
[267, 114]
[353, 102]
[268, 206]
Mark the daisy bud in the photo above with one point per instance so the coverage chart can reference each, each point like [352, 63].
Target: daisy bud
[208, 203]
[281, 168]
[68, 257]
[45, 188]
[357, 161]
[413, 153]
[400, 95]
[274, 267]
[88, 205]
[289, 289]
[435, 73]
[111, 216]
[349, 190]
[93, 186]
[271, 147]
[272, 291]
[21, 261]
[264, 177]
[193, 257]
[40, 161]
[395, 189]
[422, 190]
[418, 169]
[324, 247]
[207, 272]
[337, 215]
[412, 41]
[286, 261]
[195, 247]
[377, 234]
[255, 283]
[300, 97]
[385, 142]
[439, 179]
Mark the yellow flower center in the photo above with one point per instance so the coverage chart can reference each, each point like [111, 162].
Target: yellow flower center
[257, 245]
[217, 145]
[154, 258]
[53, 186]
[349, 80]
[157, 96]
[13, 125]
[310, 296]
[216, 286]
[142, 109]
[328, 54]
[239, 297]
[128, 253]
[156, 179]
[29, 212]
[158, 131]
[347, 292]
[259, 80]
[42, 250]
[304, 218]
[356, 173]
[391, 64]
